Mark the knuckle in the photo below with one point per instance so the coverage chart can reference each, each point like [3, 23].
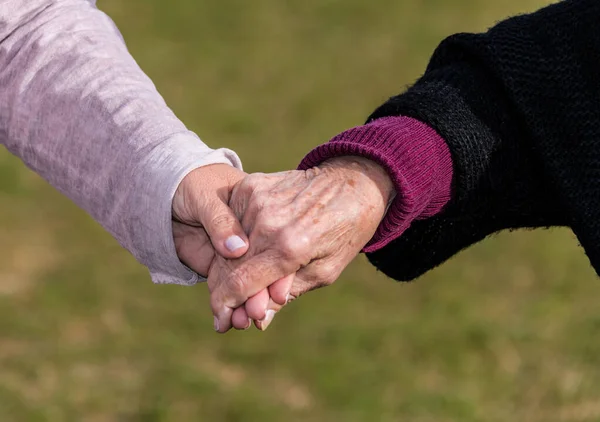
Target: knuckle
[315, 283]
[308, 285]
[267, 221]
[238, 284]
[215, 304]
[327, 274]
[292, 245]
[230, 288]
[253, 182]
[249, 181]
[259, 198]
[246, 187]
[221, 220]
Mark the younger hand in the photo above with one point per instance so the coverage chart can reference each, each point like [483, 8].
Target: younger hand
[202, 220]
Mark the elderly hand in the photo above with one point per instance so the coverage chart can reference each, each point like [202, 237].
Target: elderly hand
[202, 219]
[305, 227]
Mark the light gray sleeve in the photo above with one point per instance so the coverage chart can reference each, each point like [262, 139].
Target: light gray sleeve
[77, 109]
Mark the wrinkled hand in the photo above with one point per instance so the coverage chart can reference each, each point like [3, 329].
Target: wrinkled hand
[202, 219]
[305, 227]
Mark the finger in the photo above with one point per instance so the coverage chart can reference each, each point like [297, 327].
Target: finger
[240, 320]
[232, 283]
[299, 286]
[256, 306]
[193, 247]
[224, 229]
[222, 322]
[272, 310]
[311, 277]
[280, 290]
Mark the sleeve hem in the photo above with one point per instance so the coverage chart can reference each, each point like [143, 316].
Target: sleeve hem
[166, 167]
[417, 160]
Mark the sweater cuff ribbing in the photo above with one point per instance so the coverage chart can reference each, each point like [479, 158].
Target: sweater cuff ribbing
[415, 157]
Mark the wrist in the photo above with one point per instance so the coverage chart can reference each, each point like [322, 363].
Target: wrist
[410, 154]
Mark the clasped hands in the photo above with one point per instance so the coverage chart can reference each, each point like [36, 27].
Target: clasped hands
[263, 240]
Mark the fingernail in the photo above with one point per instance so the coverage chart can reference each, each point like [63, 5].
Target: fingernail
[233, 243]
[270, 314]
[216, 324]
[288, 298]
[249, 324]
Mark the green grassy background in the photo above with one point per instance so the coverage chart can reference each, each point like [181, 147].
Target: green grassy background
[505, 331]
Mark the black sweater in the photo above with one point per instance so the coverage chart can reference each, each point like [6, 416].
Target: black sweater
[519, 107]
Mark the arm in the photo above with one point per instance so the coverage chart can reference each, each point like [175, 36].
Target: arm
[519, 109]
[76, 108]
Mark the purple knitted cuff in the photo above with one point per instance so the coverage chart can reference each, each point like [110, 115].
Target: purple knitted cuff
[417, 160]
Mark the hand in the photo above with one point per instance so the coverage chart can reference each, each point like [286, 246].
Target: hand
[305, 227]
[202, 220]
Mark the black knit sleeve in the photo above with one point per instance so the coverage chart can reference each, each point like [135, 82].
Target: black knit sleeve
[519, 107]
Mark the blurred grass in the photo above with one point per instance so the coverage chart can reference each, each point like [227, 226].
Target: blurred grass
[505, 331]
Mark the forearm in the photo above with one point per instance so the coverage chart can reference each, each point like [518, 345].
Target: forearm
[518, 109]
[77, 109]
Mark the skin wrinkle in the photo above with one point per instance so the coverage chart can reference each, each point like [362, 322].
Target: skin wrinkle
[336, 209]
[284, 214]
[192, 243]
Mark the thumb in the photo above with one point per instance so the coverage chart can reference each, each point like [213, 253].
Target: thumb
[224, 229]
